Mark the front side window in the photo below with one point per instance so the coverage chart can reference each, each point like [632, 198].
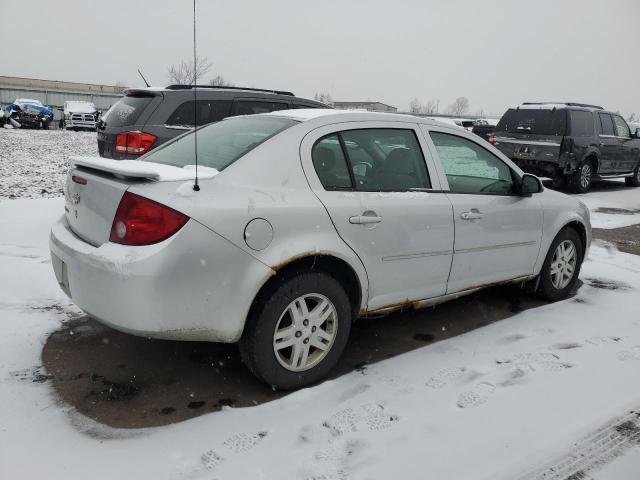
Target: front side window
[581, 123]
[622, 129]
[470, 168]
[252, 107]
[222, 143]
[606, 124]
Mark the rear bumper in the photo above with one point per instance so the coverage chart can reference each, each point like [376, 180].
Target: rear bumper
[193, 286]
[548, 168]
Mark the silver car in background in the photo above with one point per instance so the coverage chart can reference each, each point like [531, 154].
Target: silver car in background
[306, 220]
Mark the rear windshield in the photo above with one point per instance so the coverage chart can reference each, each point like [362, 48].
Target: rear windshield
[533, 122]
[126, 111]
[222, 143]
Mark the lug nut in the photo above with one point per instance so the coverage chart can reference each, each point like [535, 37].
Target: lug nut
[298, 334]
[313, 329]
[305, 341]
[305, 323]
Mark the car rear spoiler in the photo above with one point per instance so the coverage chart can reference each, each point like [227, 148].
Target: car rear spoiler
[139, 169]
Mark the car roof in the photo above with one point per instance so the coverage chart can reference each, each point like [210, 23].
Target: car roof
[330, 115]
[557, 106]
[206, 92]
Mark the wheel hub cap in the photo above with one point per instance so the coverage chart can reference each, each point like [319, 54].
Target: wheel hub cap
[305, 332]
[563, 264]
[585, 175]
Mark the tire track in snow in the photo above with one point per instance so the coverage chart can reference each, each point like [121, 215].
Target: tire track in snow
[593, 451]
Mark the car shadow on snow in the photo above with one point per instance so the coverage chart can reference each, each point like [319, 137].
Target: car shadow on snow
[130, 382]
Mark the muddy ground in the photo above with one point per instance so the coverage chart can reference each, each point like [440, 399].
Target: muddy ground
[127, 382]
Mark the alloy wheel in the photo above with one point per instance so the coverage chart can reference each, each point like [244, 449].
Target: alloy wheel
[585, 175]
[563, 264]
[305, 332]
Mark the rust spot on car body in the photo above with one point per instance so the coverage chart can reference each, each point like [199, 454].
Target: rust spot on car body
[302, 256]
[429, 302]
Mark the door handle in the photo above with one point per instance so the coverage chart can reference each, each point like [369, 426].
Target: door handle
[367, 217]
[473, 214]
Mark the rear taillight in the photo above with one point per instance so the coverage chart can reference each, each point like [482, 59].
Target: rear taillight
[140, 221]
[491, 138]
[134, 143]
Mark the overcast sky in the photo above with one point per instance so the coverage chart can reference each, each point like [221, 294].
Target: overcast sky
[495, 52]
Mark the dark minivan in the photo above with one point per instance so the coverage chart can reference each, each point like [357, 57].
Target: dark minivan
[571, 143]
[148, 117]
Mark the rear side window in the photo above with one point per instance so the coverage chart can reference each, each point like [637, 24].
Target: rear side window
[581, 123]
[330, 163]
[208, 111]
[379, 160]
[300, 105]
[126, 111]
[251, 107]
[622, 129]
[606, 124]
[551, 122]
[221, 143]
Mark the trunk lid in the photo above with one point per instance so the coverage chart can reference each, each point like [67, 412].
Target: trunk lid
[91, 201]
[96, 185]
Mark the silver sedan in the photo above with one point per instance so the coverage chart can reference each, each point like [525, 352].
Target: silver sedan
[304, 221]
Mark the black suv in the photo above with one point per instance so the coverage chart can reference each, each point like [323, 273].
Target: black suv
[572, 143]
[148, 117]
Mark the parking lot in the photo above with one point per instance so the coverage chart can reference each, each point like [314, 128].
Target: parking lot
[493, 349]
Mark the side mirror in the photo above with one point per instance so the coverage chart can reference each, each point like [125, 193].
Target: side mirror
[529, 185]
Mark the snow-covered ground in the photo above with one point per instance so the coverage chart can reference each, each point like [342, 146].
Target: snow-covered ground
[546, 393]
[523, 394]
[613, 204]
[33, 163]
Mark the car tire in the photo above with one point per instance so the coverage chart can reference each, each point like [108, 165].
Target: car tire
[580, 180]
[635, 180]
[271, 327]
[553, 283]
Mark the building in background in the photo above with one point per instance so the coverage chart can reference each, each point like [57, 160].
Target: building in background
[54, 93]
[368, 106]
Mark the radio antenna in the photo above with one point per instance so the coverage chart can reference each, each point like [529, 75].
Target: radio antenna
[144, 79]
[196, 186]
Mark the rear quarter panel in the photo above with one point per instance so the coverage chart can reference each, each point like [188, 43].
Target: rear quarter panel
[267, 183]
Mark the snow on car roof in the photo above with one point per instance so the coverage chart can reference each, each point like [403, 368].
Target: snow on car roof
[28, 100]
[305, 114]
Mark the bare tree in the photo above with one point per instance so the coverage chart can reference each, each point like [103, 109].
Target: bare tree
[220, 81]
[188, 73]
[323, 98]
[431, 107]
[415, 106]
[460, 106]
[633, 118]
